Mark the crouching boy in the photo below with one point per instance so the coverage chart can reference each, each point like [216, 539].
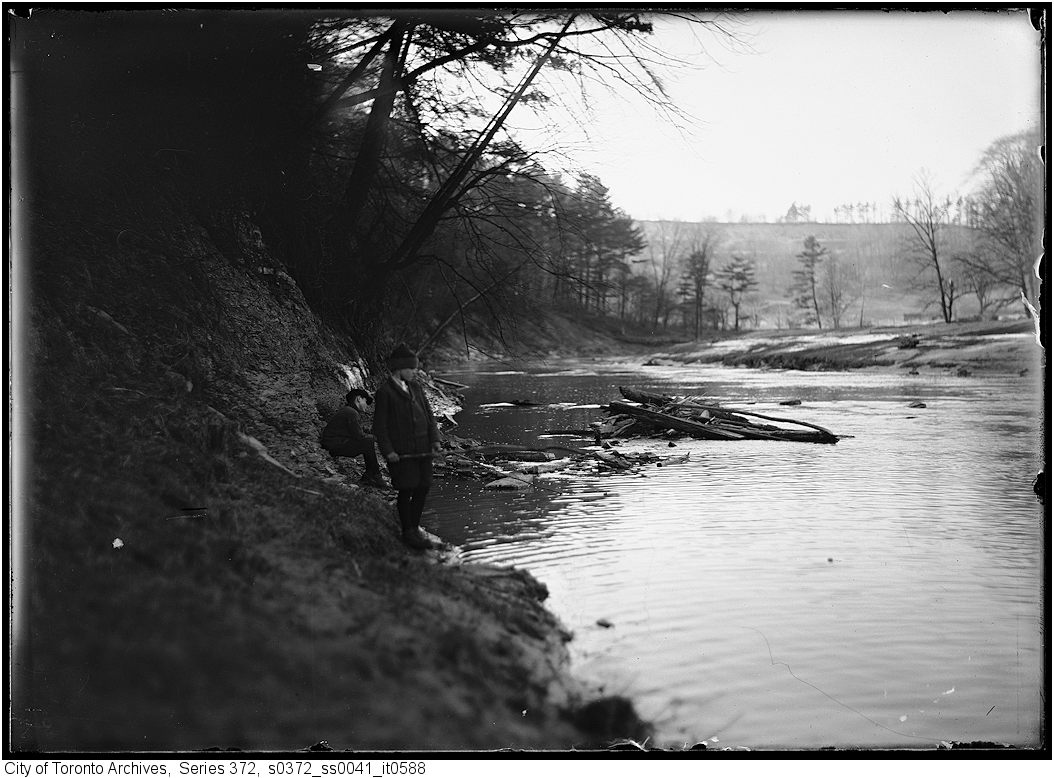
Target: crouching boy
[344, 437]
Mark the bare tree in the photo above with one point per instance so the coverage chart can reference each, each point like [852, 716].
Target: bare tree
[927, 217]
[837, 284]
[982, 285]
[866, 253]
[702, 248]
[666, 244]
[1009, 214]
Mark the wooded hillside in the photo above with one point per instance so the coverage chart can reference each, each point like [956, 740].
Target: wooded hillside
[878, 274]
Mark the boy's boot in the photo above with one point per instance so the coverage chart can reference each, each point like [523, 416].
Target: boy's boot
[372, 476]
[412, 535]
[423, 538]
[373, 479]
[416, 540]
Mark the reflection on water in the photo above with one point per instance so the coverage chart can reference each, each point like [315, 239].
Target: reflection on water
[884, 591]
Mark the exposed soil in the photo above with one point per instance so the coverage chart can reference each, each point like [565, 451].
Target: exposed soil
[194, 570]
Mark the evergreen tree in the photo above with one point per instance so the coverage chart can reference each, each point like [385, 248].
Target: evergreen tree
[737, 278]
[806, 280]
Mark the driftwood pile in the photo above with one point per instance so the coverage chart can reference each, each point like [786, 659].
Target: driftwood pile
[512, 467]
[648, 415]
[639, 415]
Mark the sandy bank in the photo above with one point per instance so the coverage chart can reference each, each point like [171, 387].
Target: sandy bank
[961, 349]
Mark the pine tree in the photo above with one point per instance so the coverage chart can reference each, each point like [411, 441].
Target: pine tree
[737, 278]
[805, 280]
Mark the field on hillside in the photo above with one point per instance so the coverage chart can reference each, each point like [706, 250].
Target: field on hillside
[881, 280]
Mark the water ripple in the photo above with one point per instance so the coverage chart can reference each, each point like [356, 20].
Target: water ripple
[789, 595]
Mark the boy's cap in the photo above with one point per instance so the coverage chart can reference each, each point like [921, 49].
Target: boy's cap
[349, 398]
[402, 357]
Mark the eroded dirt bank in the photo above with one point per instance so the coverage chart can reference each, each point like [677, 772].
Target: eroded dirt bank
[194, 571]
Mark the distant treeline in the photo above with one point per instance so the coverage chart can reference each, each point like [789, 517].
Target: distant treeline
[939, 256]
[871, 260]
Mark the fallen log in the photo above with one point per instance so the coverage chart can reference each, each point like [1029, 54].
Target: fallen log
[647, 398]
[498, 449]
[452, 384]
[529, 456]
[671, 403]
[669, 421]
[614, 459]
[716, 410]
[713, 412]
[737, 416]
[536, 468]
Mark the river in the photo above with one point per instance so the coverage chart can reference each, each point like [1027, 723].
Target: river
[883, 592]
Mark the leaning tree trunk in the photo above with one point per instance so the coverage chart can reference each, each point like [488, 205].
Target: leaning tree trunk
[422, 229]
[368, 160]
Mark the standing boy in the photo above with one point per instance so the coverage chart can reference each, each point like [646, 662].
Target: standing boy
[408, 438]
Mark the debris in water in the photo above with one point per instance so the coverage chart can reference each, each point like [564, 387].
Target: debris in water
[511, 483]
[645, 414]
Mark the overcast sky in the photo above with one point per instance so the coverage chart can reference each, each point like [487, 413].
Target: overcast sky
[823, 108]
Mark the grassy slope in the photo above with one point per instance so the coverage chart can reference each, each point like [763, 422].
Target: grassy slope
[184, 592]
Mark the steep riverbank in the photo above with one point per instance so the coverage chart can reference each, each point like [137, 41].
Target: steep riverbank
[192, 570]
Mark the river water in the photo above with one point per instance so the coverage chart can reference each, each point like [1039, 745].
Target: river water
[886, 591]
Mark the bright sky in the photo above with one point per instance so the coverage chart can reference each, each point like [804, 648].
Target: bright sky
[829, 107]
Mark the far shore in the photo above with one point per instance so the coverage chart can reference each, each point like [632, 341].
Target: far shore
[961, 349]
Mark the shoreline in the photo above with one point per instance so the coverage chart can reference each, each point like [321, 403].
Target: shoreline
[959, 349]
